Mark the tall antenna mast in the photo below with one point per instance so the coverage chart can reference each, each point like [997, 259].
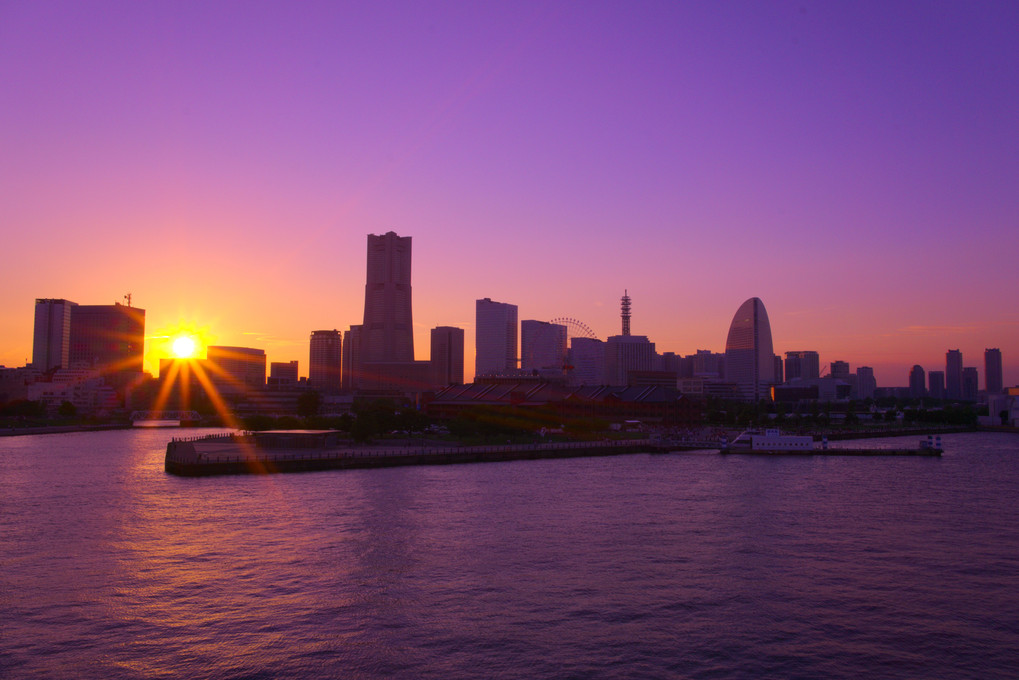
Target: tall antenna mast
[128, 298]
[626, 312]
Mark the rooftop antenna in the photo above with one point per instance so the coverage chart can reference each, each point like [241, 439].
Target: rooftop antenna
[128, 298]
[626, 312]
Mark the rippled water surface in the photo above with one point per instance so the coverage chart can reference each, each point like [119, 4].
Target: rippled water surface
[685, 565]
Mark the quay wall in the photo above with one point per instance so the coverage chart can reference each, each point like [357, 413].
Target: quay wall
[187, 459]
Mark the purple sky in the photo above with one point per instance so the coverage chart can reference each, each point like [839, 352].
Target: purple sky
[855, 165]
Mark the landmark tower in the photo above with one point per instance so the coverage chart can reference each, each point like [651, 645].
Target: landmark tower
[388, 328]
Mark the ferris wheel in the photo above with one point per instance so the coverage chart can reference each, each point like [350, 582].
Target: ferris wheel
[574, 328]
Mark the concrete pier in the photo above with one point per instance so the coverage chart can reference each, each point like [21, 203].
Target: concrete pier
[303, 452]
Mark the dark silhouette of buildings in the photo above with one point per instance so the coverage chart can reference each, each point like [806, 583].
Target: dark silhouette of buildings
[351, 356]
[993, 379]
[628, 354]
[970, 383]
[542, 345]
[447, 355]
[866, 385]
[495, 337]
[953, 374]
[51, 340]
[917, 382]
[839, 370]
[802, 364]
[325, 360]
[235, 369]
[936, 382]
[109, 338]
[282, 374]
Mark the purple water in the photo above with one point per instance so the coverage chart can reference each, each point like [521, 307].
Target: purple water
[684, 565]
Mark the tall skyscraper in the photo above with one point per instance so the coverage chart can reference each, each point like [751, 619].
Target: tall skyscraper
[447, 355]
[388, 328]
[802, 364]
[749, 357]
[917, 382]
[542, 345]
[108, 338]
[993, 378]
[325, 360]
[495, 337]
[51, 341]
[953, 374]
[936, 381]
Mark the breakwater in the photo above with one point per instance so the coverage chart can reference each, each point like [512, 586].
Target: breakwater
[307, 451]
[267, 453]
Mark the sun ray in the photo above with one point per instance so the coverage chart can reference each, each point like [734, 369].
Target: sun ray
[165, 387]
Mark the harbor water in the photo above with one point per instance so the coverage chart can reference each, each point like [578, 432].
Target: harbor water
[690, 565]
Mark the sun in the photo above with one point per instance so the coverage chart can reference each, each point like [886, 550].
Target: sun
[184, 347]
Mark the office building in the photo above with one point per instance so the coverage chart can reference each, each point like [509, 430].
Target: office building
[109, 339]
[628, 353]
[936, 384]
[917, 382]
[542, 345]
[495, 337]
[282, 374]
[993, 378]
[587, 357]
[707, 364]
[840, 370]
[802, 364]
[970, 383]
[749, 357]
[51, 340]
[351, 357]
[388, 328]
[865, 382]
[447, 355]
[325, 360]
[235, 369]
[953, 374]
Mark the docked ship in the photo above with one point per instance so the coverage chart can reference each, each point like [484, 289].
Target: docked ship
[772, 441]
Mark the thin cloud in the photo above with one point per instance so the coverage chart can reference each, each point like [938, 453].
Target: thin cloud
[938, 330]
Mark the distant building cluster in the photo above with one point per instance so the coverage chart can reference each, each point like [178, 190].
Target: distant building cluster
[88, 356]
[91, 356]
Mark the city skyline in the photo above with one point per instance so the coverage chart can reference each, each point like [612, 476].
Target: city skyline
[855, 174]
